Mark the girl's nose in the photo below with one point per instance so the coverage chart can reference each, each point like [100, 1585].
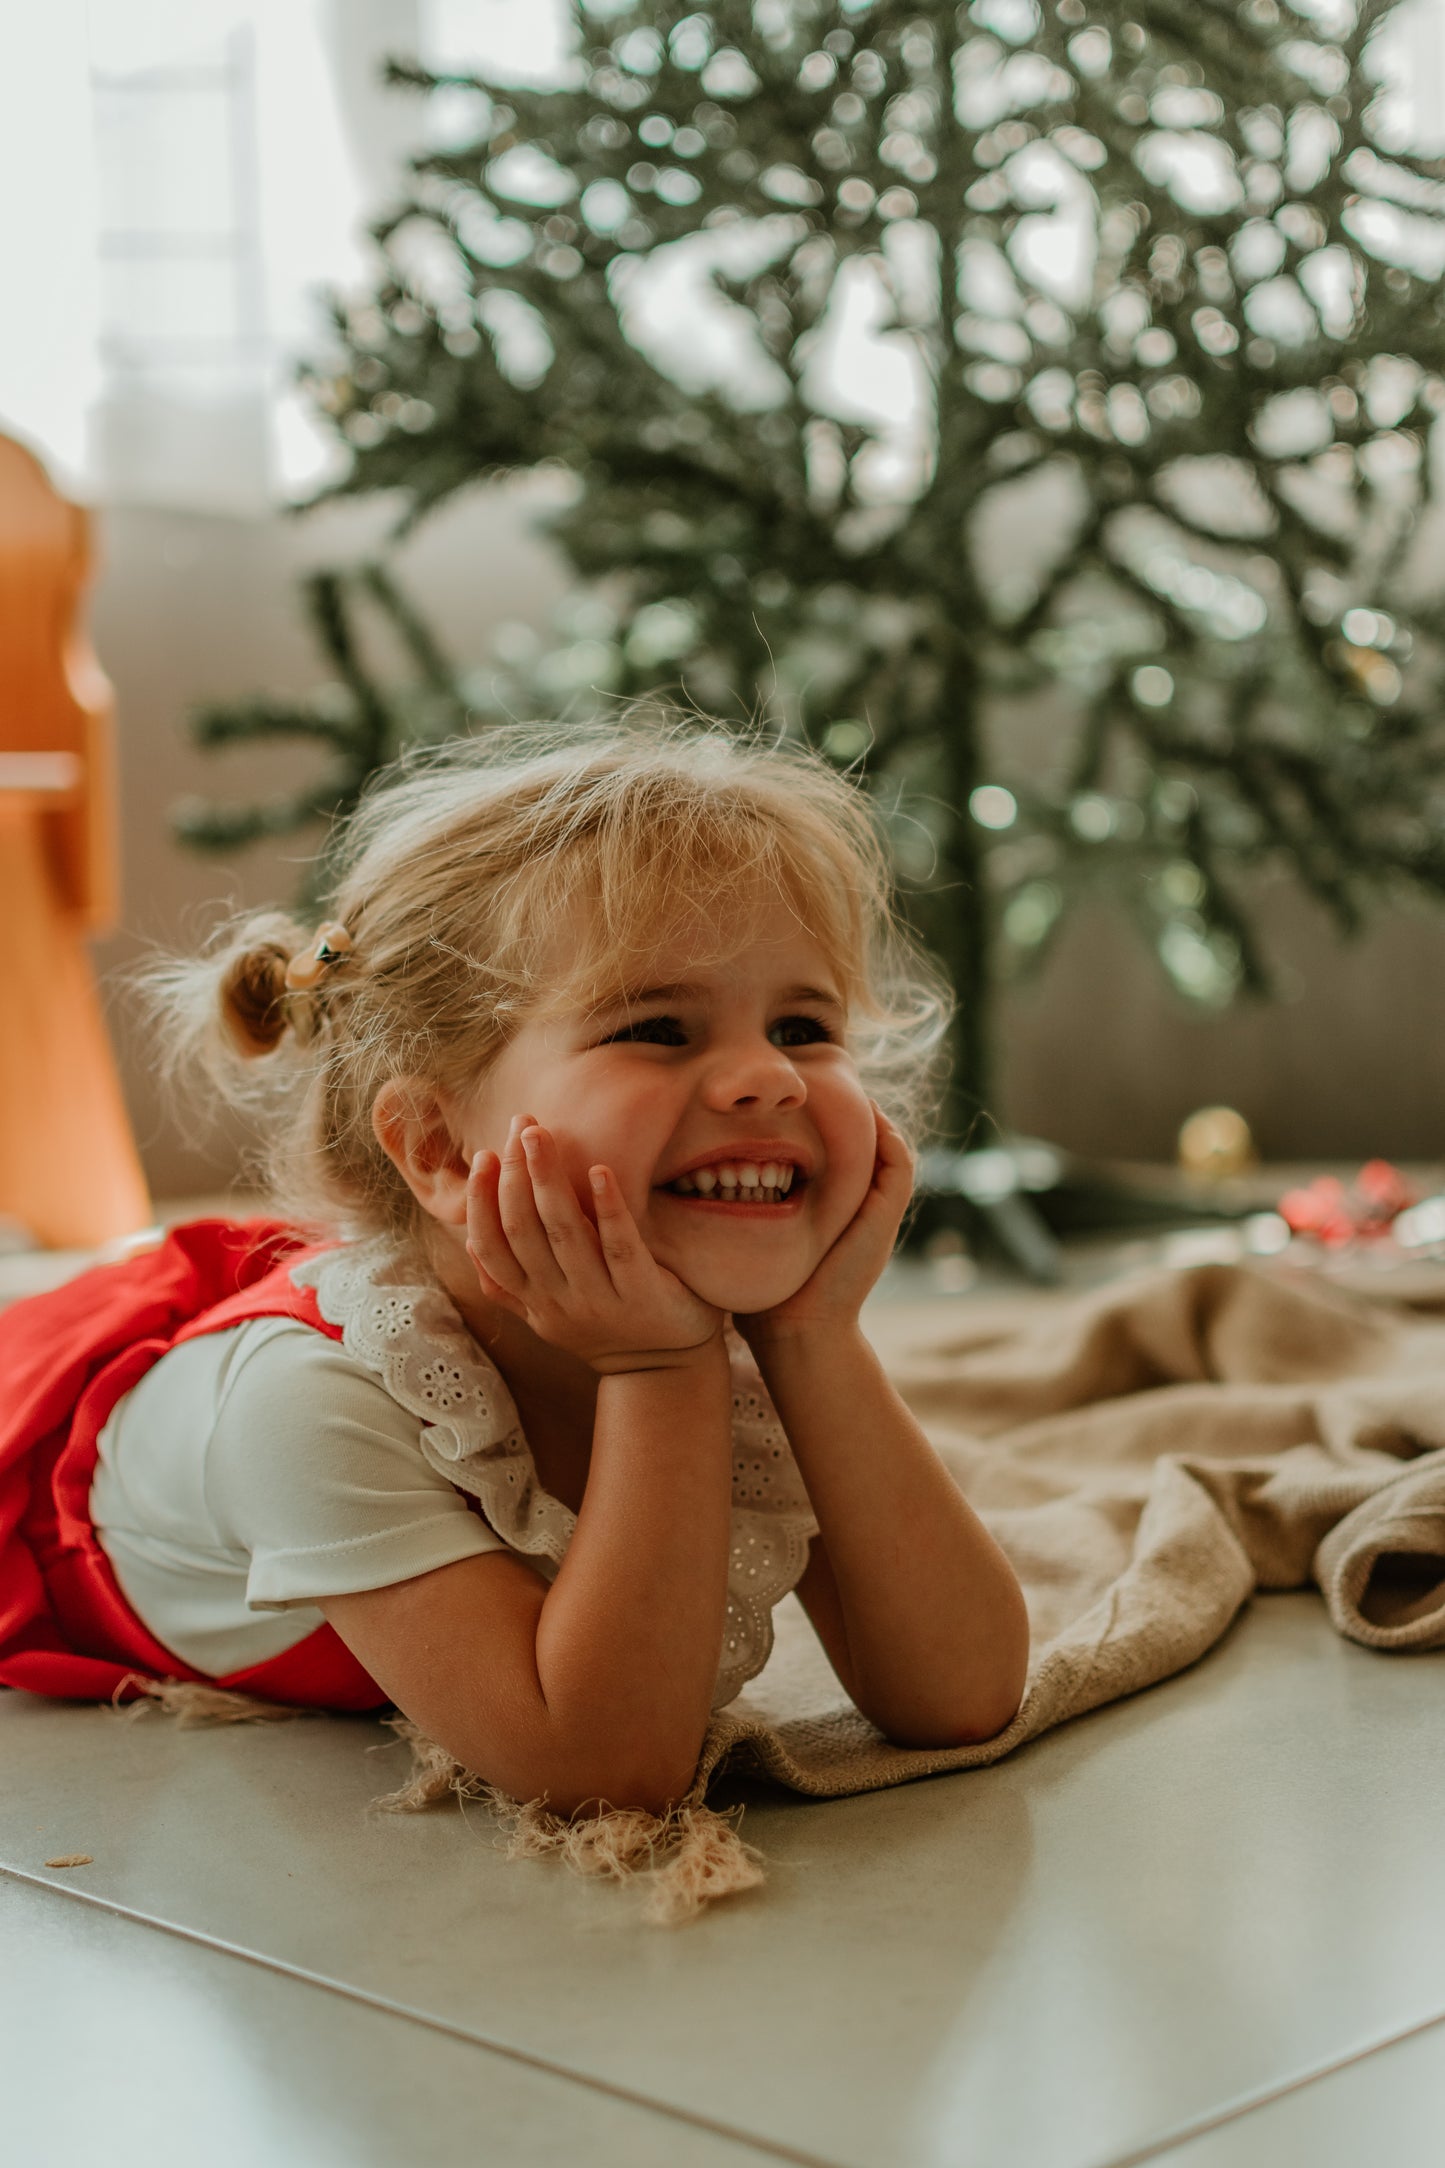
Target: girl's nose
[764, 1077]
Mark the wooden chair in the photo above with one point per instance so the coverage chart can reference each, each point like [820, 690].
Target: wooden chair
[69, 1170]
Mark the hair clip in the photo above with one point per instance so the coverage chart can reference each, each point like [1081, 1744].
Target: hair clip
[308, 967]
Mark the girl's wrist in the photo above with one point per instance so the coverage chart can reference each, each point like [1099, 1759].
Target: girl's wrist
[704, 1356]
[803, 1343]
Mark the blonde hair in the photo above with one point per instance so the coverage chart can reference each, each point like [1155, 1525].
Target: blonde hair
[453, 876]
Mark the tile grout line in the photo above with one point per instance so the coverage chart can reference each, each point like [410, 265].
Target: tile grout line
[1238, 2110]
[773, 2149]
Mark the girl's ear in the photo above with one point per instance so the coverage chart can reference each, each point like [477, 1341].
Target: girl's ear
[411, 1127]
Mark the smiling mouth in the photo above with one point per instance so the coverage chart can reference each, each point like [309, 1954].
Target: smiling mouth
[755, 1186]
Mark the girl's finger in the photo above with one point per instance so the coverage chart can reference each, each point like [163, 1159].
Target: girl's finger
[882, 1124]
[493, 1289]
[574, 1241]
[616, 1228]
[487, 1246]
[521, 1221]
[893, 1147]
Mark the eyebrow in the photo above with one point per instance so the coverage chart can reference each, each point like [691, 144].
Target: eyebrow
[687, 990]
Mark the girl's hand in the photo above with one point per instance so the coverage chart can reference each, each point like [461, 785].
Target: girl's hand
[597, 1291]
[830, 1299]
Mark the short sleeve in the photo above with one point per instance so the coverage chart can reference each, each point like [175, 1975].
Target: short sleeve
[316, 1473]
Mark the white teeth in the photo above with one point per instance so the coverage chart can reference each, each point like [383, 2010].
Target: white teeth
[726, 1179]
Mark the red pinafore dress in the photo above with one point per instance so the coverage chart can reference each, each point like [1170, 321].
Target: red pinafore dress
[66, 1358]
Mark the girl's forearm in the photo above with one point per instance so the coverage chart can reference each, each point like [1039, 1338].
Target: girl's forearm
[630, 1635]
[936, 1627]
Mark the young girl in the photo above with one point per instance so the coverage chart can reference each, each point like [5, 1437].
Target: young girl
[552, 1383]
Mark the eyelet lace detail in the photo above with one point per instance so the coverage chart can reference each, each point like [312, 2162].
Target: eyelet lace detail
[398, 1324]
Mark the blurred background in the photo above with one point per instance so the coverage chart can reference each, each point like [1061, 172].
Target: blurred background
[180, 186]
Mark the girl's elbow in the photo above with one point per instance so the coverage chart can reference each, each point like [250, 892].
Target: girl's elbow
[638, 1773]
[973, 1721]
[639, 1791]
[971, 1729]
[572, 1776]
[996, 1712]
[994, 1705]
[990, 1724]
[584, 1785]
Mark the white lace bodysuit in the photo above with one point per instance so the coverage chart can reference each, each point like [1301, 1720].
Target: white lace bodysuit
[259, 1469]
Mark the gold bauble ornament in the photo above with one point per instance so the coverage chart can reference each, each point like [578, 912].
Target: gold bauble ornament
[1215, 1143]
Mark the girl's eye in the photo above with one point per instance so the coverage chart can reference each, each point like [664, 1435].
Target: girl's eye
[813, 1026]
[648, 1024]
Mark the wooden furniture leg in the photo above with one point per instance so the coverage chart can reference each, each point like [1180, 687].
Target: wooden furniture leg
[69, 1169]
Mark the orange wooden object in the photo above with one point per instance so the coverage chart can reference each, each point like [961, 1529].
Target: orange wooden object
[69, 1170]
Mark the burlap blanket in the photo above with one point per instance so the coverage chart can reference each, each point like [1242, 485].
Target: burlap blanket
[1148, 1456]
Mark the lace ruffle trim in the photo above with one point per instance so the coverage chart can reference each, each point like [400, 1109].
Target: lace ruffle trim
[398, 1324]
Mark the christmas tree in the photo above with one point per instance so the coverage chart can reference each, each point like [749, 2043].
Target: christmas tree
[1159, 289]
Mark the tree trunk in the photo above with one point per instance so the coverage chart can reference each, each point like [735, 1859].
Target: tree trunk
[960, 927]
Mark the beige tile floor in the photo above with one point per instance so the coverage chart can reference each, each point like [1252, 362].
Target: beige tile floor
[1204, 1927]
[1168, 1931]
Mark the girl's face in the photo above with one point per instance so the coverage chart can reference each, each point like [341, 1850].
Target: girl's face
[742, 1061]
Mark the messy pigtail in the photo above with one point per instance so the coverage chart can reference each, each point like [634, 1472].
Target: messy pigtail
[251, 993]
[269, 983]
[293, 1029]
[228, 1016]
[259, 979]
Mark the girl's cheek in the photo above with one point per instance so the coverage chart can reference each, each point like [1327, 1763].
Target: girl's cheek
[862, 1134]
[576, 1165]
[856, 1163]
[574, 1161]
[850, 1202]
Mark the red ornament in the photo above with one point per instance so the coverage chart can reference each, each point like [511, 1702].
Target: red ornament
[1320, 1212]
[1325, 1211]
[1383, 1190]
